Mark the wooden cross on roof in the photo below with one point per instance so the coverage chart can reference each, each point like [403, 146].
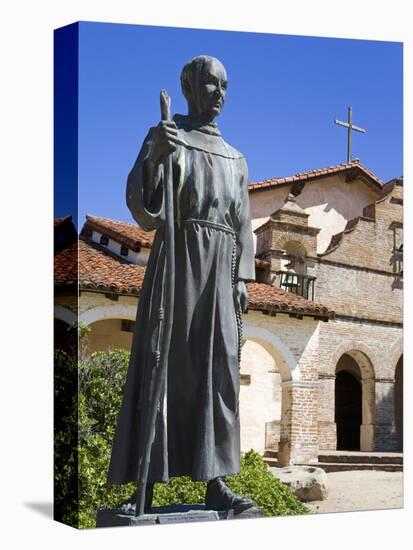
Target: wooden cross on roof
[350, 126]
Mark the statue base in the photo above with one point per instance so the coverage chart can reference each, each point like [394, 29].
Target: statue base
[184, 513]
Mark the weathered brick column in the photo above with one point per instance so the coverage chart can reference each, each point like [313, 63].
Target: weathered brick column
[299, 423]
[327, 429]
[385, 438]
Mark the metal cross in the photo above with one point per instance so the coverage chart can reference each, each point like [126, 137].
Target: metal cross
[350, 126]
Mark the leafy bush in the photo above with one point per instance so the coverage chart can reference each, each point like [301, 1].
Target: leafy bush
[101, 380]
[100, 383]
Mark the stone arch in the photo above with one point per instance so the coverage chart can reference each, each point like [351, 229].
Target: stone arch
[116, 311]
[64, 314]
[359, 371]
[291, 237]
[285, 360]
[358, 351]
[108, 331]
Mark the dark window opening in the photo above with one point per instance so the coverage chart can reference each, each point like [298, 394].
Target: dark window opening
[124, 250]
[104, 240]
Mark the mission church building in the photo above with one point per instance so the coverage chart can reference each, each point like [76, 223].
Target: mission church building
[322, 356]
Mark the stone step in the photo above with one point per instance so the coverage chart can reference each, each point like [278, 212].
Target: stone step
[344, 467]
[270, 453]
[341, 461]
[358, 457]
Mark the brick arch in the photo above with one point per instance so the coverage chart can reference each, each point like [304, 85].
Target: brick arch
[285, 238]
[283, 357]
[367, 362]
[354, 348]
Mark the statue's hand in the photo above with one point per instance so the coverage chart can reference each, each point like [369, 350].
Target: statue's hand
[241, 295]
[164, 140]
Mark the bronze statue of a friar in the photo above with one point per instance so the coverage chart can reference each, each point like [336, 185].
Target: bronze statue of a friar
[196, 426]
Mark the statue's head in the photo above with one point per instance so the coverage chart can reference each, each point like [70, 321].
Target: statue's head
[204, 85]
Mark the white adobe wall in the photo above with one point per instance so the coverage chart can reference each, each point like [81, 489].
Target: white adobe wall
[140, 258]
[330, 202]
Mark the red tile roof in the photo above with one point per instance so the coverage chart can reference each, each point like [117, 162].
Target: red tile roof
[318, 173]
[103, 271]
[129, 234]
[65, 266]
[98, 269]
[266, 297]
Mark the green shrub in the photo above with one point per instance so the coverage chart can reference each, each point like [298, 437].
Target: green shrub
[266, 491]
[100, 382]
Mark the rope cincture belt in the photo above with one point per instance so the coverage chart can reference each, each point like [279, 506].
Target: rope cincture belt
[214, 225]
[222, 227]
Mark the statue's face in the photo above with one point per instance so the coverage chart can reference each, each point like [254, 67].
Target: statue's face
[208, 90]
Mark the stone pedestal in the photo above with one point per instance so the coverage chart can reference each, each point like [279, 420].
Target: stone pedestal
[184, 513]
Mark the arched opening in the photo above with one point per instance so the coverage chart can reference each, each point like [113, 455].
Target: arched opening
[266, 363]
[293, 273]
[295, 256]
[109, 334]
[398, 403]
[355, 400]
[348, 411]
[260, 399]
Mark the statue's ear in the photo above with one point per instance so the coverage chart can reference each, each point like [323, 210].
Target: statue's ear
[186, 89]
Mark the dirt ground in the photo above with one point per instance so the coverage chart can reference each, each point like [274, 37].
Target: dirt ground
[361, 490]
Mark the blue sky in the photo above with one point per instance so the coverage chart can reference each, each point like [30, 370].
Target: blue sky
[283, 95]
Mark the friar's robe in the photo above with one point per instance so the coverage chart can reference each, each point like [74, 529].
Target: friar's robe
[197, 429]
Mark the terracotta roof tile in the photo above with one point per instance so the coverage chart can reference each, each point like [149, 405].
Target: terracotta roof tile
[101, 270]
[65, 266]
[98, 269]
[316, 173]
[266, 297]
[129, 234]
